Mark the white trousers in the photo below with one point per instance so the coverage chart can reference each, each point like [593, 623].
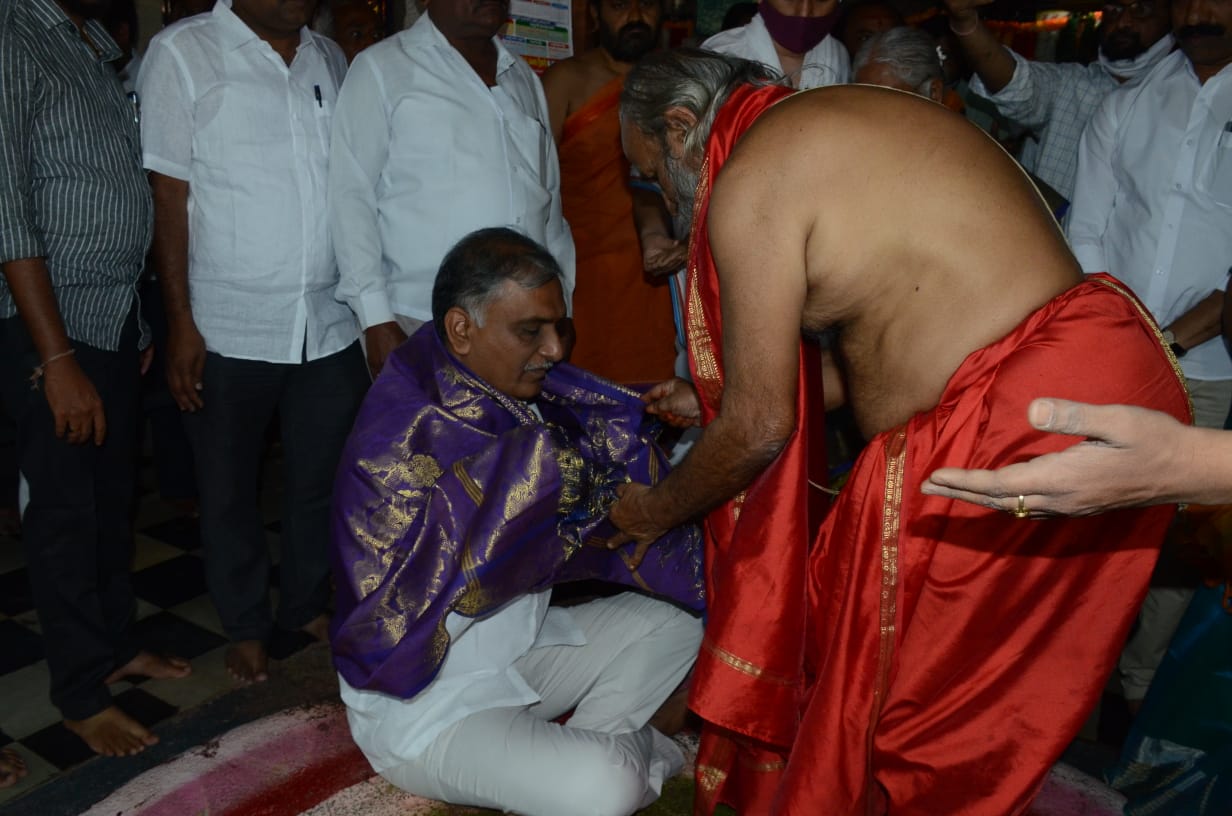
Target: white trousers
[1164, 606]
[606, 761]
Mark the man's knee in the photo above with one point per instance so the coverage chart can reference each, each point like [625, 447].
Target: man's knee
[610, 784]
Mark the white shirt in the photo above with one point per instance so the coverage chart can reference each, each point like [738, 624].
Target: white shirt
[1153, 204]
[221, 110]
[423, 154]
[826, 63]
[1056, 100]
[478, 674]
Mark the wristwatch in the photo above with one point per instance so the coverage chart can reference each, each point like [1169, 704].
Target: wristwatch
[1177, 348]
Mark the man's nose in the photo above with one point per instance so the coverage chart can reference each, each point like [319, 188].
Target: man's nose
[553, 347]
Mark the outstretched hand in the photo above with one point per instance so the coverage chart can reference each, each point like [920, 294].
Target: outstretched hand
[1119, 464]
[675, 402]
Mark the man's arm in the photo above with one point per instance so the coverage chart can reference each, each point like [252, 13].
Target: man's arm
[1201, 323]
[1131, 457]
[986, 56]
[559, 238]
[72, 398]
[359, 150]
[1095, 188]
[557, 88]
[167, 124]
[758, 246]
[662, 254]
[185, 352]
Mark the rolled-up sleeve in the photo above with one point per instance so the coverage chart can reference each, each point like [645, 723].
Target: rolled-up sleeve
[19, 236]
[359, 149]
[1028, 97]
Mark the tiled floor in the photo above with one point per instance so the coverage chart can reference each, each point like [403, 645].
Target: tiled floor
[174, 616]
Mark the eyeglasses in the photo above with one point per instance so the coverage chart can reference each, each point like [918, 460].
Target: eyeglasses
[1138, 10]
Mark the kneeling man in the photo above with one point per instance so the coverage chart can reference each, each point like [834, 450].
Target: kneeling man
[478, 471]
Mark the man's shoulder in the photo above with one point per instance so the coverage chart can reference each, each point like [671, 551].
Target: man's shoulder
[734, 41]
[577, 78]
[198, 33]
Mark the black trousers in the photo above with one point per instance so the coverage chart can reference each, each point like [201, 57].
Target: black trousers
[77, 524]
[316, 403]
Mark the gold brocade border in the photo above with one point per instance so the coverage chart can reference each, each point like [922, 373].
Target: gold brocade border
[701, 344]
[744, 666]
[1159, 335]
[891, 514]
[471, 487]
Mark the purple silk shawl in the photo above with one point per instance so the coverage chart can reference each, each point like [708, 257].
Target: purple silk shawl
[452, 497]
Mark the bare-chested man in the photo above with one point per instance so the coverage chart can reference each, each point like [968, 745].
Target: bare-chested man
[583, 96]
[927, 656]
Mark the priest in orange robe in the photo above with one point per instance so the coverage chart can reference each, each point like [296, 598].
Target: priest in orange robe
[919, 656]
[623, 319]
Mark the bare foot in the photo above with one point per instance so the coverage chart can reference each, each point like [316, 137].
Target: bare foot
[111, 732]
[12, 767]
[148, 664]
[318, 627]
[248, 661]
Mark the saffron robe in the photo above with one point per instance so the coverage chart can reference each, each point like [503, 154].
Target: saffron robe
[452, 497]
[623, 320]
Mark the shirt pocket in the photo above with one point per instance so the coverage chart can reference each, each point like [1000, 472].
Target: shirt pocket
[1218, 177]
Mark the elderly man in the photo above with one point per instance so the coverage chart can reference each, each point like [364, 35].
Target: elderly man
[791, 37]
[478, 470]
[235, 123]
[904, 59]
[1056, 100]
[926, 687]
[439, 131]
[74, 228]
[583, 96]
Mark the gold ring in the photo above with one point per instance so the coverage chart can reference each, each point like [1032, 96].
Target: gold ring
[1021, 510]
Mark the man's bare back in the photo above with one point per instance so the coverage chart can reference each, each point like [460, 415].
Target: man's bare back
[891, 219]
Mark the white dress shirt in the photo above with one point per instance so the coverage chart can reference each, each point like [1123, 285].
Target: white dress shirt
[478, 674]
[1056, 100]
[223, 111]
[826, 63]
[1153, 204]
[423, 154]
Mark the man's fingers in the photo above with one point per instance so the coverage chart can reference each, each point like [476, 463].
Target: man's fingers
[980, 482]
[99, 420]
[619, 540]
[639, 552]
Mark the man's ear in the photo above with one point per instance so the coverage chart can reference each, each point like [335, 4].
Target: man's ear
[680, 121]
[458, 326]
[936, 90]
[592, 17]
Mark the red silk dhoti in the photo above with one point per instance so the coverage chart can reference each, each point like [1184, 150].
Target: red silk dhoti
[957, 650]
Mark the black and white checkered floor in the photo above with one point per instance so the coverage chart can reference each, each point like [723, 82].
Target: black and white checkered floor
[174, 616]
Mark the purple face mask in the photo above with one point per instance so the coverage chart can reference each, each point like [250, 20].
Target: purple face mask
[796, 34]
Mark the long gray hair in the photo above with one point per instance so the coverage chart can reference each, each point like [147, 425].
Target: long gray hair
[690, 78]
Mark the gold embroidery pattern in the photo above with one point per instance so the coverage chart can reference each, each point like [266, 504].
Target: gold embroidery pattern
[1159, 335]
[701, 345]
[709, 778]
[744, 666]
[891, 512]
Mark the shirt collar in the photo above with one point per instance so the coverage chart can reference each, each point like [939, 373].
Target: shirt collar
[49, 14]
[425, 28]
[236, 33]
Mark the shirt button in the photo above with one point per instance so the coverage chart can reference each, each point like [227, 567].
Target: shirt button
[1189, 142]
[1179, 185]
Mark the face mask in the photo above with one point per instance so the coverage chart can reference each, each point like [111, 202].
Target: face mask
[796, 34]
[1133, 68]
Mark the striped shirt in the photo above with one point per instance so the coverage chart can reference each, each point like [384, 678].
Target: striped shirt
[72, 188]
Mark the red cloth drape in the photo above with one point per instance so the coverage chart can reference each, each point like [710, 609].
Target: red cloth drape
[749, 680]
[957, 650]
